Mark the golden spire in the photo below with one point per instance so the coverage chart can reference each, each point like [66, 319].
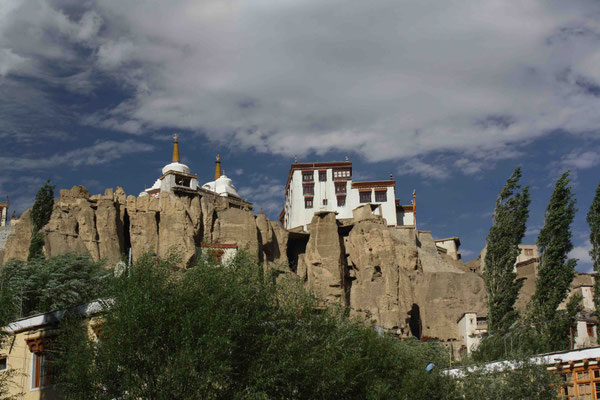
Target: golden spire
[218, 167]
[175, 149]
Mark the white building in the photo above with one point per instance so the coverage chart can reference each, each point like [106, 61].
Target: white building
[471, 329]
[177, 178]
[328, 186]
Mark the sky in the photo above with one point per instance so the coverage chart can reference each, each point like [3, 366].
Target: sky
[448, 96]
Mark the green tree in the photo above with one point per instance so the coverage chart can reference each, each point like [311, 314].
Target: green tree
[40, 215]
[232, 332]
[507, 231]
[556, 270]
[525, 381]
[593, 220]
[42, 285]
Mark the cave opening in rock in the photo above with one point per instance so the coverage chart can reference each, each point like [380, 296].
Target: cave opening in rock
[414, 322]
[126, 235]
[296, 245]
[376, 273]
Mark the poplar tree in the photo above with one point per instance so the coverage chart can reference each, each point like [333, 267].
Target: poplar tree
[593, 219]
[505, 235]
[40, 215]
[556, 270]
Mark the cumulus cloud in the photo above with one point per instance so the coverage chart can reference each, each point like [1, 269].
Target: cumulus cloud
[384, 79]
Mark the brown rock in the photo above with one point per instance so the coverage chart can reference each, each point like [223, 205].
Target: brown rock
[17, 245]
[324, 258]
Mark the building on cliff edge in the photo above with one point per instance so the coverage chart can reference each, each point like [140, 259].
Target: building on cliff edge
[328, 186]
[177, 178]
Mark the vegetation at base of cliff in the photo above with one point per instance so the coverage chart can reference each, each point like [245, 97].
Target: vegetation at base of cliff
[593, 220]
[508, 229]
[41, 285]
[523, 380]
[40, 215]
[232, 332]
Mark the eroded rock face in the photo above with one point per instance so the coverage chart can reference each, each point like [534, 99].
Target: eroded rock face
[395, 273]
[107, 225]
[324, 264]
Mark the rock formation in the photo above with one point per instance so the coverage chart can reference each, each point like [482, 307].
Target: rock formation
[396, 273]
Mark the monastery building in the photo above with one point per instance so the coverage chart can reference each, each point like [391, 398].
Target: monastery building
[328, 186]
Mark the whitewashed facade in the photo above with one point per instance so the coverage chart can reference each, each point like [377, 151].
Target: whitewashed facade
[328, 186]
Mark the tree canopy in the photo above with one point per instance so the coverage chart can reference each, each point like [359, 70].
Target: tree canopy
[40, 285]
[509, 225]
[231, 332]
[593, 220]
[40, 215]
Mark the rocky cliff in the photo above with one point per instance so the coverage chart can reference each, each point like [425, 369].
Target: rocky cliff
[395, 273]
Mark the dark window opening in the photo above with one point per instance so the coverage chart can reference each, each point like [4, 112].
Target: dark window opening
[381, 196]
[308, 202]
[322, 176]
[365, 197]
[340, 187]
[341, 201]
[307, 176]
[308, 189]
[324, 202]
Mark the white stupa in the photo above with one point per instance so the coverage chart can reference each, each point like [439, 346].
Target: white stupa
[222, 185]
[175, 176]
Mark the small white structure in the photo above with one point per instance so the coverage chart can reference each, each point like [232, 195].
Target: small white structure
[328, 186]
[528, 252]
[471, 329]
[222, 185]
[451, 246]
[175, 176]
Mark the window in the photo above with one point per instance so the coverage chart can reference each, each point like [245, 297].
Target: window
[308, 189]
[3, 363]
[341, 201]
[340, 187]
[585, 391]
[308, 202]
[365, 197]
[324, 202]
[341, 174]
[590, 330]
[322, 176]
[528, 252]
[40, 370]
[307, 176]
[381, 196]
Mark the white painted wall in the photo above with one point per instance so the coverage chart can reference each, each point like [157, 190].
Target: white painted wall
[468, 330]
[297, 215]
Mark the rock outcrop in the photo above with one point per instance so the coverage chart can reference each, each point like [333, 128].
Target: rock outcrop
[396, 273]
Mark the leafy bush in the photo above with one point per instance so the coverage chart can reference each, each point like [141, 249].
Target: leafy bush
[231, 332]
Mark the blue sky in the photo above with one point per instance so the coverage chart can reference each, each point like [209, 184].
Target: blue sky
[448, 96]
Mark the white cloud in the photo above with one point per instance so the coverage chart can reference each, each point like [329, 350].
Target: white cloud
[581, 159]
[582, 253]
[384, 79]
[97, 154]
[266, 193]
[416, 166]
